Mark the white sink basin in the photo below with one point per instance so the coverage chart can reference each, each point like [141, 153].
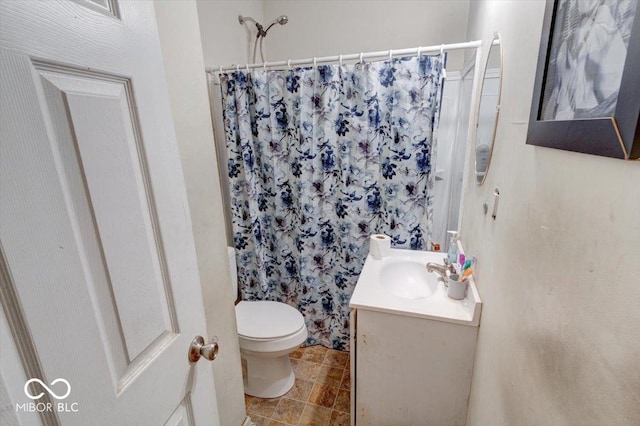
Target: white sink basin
[408, 279]
[400, 284]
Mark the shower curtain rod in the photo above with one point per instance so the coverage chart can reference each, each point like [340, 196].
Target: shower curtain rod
[360, 56]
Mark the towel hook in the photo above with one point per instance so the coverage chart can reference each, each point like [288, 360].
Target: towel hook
[289, 64]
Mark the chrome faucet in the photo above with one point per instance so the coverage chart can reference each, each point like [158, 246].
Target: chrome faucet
[441, 269]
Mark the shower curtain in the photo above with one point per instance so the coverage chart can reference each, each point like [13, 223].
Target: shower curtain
[320, 158]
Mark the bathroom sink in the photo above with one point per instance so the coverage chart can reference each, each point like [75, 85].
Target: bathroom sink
[400, 284]
[408, 279]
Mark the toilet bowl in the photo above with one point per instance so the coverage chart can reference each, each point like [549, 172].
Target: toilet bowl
[267, 331]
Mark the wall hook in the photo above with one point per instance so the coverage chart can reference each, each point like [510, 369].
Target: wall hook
[496, 197]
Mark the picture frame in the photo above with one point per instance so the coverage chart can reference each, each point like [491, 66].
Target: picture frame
[556, 119]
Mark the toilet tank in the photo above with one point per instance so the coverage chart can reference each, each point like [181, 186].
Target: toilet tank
[231, 252]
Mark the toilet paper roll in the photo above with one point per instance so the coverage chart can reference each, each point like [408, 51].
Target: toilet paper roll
[379, 246]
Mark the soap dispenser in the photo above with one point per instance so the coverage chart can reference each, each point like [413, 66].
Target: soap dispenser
[452, 252]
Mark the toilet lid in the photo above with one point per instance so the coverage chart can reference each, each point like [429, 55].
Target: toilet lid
[267, 320]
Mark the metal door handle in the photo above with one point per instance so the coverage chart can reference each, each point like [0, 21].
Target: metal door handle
[198, 349]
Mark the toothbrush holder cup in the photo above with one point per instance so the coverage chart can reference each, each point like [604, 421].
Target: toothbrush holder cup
[456, 289]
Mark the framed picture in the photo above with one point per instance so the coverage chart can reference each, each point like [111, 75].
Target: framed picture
[587, 89]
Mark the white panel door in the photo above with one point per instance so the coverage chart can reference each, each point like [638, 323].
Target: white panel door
[96, 240]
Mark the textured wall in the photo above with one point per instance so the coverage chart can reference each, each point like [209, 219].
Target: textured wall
[184, 65]
[224, 40]
[324, 27]
[559, 270]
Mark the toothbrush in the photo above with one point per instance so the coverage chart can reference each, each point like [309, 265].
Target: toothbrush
[466, 274]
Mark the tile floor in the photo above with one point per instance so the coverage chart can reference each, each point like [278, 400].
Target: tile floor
[319, 397]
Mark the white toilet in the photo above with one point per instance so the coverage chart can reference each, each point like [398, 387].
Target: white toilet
[268, 332]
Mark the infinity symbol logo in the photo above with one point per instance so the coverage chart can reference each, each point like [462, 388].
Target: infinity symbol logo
[52, 393]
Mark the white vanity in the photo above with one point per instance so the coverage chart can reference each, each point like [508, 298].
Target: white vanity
[412, 347]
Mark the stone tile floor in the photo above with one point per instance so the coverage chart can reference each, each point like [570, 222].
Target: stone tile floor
[319, 397]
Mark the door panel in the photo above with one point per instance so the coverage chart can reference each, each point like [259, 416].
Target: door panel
[104, 6]
[182, 416]
[94, 220]
[99, 119]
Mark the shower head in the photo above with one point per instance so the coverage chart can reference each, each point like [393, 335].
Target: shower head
[282, 20]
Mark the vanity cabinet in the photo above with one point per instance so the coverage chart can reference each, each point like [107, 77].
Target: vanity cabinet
[409, 370]
[412, 346]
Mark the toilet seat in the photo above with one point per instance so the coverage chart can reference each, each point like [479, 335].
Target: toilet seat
[266, 320]
[269, 328]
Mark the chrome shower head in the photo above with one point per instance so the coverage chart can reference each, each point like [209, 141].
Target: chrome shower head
[282, 20]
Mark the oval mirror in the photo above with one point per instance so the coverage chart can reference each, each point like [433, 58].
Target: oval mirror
[489, 109]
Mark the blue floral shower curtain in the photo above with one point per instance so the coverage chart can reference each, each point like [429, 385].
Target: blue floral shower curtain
[320, 159]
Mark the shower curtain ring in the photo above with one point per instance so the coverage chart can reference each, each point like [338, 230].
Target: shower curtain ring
[340, 59]
[315, 62]
[264, 65]
[390, 55]
[419, 51]
[237, 67]
[289, 64]
[442, 49]
[361, 57]
[247, 68]
[220, 69]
